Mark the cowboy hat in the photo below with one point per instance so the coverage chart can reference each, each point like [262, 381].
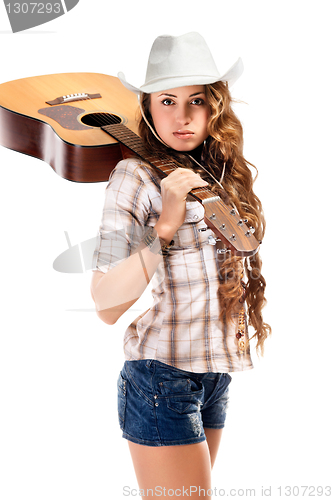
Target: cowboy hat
[178, 61]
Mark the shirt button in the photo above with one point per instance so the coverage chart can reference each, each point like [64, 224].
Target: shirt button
[156, 404]
[195, 217]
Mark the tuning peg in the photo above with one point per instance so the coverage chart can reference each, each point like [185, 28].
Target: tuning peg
[233, 211]
[212, 217]
[222, 227]
[233, 237]
[240, 222]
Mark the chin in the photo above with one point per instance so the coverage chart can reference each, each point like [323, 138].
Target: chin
[185, 148]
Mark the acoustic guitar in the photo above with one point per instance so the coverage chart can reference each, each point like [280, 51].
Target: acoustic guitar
[57, 118]
[83, 124]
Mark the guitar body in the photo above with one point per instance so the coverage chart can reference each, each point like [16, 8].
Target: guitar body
[66, 133]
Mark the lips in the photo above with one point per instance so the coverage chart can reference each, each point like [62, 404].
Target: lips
[183, 134]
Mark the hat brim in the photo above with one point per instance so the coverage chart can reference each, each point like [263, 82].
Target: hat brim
[231, 76]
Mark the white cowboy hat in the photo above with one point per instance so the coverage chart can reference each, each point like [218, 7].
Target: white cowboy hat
[178, 61]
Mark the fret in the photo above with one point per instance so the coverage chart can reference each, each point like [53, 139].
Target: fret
[153, 160]
[170, 166]
[203, 190]
[167, 166]
[168, 171]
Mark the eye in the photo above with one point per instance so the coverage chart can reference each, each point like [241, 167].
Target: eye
[167, 102]
[197, 101]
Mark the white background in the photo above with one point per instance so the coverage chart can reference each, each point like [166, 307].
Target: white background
[59, 436]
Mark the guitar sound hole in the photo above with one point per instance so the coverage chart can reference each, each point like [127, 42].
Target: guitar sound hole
[100, 119]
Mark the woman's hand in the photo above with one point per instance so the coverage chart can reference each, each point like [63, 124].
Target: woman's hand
[174, 189]
[115, 291]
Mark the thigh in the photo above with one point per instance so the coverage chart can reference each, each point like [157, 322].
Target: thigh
[214, 410]
[179, 469]
[213, 437]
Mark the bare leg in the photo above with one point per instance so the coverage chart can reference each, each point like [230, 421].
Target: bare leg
[213, 437]
[182, 468]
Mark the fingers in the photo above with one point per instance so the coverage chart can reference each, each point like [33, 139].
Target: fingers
[184, 173]
[174, 189]
[184, 180]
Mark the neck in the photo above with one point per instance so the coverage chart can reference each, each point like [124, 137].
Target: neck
[196, 153]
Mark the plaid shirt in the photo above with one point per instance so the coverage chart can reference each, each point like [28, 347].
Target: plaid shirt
[182, 327]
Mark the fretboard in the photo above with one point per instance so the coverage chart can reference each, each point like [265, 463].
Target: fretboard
[133, 142]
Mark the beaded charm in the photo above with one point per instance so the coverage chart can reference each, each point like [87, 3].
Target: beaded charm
[240, 335]
[241, 331]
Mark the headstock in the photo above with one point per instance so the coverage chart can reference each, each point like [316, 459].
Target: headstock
[230, 228]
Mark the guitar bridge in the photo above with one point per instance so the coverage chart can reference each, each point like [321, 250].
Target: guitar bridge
[81, 96]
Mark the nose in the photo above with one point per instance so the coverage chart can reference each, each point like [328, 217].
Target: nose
[183, 116]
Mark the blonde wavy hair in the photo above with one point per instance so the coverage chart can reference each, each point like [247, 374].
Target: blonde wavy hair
[225, 146]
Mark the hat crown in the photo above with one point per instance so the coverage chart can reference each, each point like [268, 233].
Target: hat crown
[184, 56]
[177, 61]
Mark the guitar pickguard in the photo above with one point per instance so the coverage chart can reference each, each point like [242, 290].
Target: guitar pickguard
[66, 116]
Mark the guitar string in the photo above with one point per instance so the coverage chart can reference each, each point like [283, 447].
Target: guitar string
[115, 120]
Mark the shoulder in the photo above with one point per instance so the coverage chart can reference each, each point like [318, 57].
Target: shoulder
[136, 171]
[133, 188]
[126, 167]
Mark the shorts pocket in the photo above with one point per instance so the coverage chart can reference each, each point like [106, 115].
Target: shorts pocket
[220, 392]
[121, 400]
[183, 395]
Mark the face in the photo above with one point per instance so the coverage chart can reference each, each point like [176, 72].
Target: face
[180, 116]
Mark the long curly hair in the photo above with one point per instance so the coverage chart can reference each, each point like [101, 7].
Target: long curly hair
[224, 149]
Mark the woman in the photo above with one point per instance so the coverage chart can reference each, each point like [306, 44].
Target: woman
[173, 388]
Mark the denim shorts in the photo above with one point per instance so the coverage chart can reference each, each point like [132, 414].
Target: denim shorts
[159, 405]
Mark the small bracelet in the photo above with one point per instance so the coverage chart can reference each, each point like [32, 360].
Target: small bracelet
[149, 239]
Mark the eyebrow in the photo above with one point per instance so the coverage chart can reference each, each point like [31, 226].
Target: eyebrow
[172, 95]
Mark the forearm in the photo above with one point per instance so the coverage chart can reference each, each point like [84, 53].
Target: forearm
[127, 281]
[115, 291]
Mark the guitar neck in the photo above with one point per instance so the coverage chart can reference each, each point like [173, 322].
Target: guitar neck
[223, 220]
[133, 142]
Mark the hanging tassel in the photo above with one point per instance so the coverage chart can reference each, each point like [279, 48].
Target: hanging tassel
[240, 335]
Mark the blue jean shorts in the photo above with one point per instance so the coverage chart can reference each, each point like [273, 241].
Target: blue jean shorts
[159, 405]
